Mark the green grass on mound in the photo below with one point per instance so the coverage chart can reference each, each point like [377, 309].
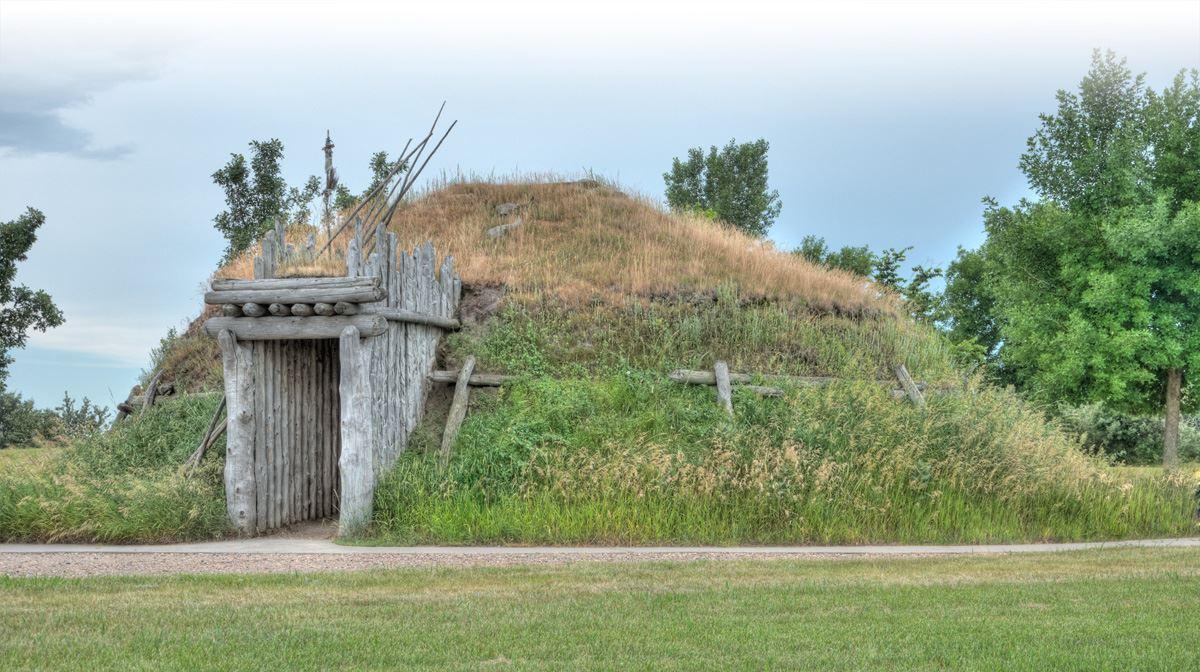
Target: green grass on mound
[635, 459]
[1128, 609]
[120, 486]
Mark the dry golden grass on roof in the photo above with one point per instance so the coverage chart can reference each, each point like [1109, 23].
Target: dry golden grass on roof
[587, 241]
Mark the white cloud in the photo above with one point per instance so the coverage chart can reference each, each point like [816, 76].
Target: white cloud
[120, 339]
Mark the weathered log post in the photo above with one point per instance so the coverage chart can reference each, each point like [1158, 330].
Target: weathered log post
[724, 387]
[910, 386]
[240, 486]
[356, 462]
[458, 410]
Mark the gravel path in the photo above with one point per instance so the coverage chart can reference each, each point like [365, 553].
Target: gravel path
[292, 554]
[145, 564]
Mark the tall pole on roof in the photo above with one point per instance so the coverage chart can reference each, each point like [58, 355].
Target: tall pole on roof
[331, 182]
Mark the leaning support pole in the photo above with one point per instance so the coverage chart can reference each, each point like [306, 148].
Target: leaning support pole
[356, 462]
[724, 387]
[197, 456]
[910, 387]
[239, 450]
[458, 410]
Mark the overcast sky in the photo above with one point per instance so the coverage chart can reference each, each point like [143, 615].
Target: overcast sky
[888, 122]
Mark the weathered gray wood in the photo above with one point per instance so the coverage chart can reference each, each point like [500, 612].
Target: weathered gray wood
[302, 310]
[909, 386]
[223, 284]
[152, 390]
[412, 317]
[279, 310]
[357, 473]
[324, 309]
[231, 310]
[477, 379]
[458, 410]
[283, 328]
[345, 308]
[694, 377]
[724, 387]
[239, 472]
[290, 296]
[267, 445]
[253, 310]
[209, 438]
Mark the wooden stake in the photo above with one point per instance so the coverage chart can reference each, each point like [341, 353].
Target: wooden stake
[910, 387]
[724, 387]
[458, 410]
[194, 460]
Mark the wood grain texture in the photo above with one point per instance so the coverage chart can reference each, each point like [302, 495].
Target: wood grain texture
[357, 473]
[458, 410]
[290, 296]
[294, 283]
[724, 387]
[239, 399]
[909, 385]
[288, 328]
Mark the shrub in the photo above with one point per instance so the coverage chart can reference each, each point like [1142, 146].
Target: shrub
[1127, 438]
[22, 424]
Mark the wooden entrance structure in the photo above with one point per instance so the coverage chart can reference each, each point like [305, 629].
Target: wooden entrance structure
[325, 378]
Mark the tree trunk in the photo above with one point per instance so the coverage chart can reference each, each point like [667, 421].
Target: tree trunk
[1171, 424]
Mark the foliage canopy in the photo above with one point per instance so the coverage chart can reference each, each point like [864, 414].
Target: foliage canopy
[729, 183]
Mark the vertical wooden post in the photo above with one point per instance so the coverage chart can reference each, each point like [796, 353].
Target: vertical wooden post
[724, 387]
[910, 387]
[239, 458]
[357, 477]
[458, 410]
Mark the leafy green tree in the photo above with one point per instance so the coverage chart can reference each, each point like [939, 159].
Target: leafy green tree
[80, 419]
[21, 424]
[855, 259]
[922, 302]
[968, 306]
[731, 182]
[1096, 287]
[381, 167]
[887, 268]
[256, 195]
[21, 308]
[859, 260]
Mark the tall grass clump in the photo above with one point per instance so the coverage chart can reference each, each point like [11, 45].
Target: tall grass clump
[121, 486]
[631, 459]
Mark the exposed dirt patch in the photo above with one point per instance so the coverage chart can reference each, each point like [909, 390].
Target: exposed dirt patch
[479, 303]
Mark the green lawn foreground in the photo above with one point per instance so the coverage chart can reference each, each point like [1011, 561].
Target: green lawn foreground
[1094, 610]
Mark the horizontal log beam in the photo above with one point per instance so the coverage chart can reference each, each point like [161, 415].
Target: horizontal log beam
[286, 328]
[266, 297]
[223, 284]
[693, 377]
[477, 379]
[401, 315]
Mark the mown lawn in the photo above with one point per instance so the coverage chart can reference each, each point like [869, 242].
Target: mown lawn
[1114, 609]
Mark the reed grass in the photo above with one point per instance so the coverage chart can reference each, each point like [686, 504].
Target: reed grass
[122, 486]
[635, 460]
